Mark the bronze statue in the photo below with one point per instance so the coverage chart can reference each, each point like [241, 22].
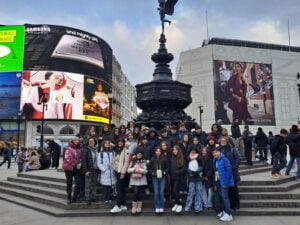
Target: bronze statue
[166, 7]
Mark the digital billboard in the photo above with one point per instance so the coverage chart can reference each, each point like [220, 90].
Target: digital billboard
[10, 89]
[66, 69]
[59, 48]
[66, 96]
[61, 92]
[96, 102]
[244, 91]
[11, 48]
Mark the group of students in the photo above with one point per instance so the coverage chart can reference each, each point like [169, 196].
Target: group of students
[172, 164]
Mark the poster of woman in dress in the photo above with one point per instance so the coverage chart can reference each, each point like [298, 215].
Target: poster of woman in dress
[244, 91]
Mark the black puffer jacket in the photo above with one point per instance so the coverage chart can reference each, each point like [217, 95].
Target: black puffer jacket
[261, 139]
[278, 145]
[293, 141]
[157, 164]
[176, 173]
[207, 163]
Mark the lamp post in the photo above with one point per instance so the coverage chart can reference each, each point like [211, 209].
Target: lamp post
[19, 120]
[201, 111]
[110, 98]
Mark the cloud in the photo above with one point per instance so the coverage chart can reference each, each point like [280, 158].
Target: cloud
[270, 32]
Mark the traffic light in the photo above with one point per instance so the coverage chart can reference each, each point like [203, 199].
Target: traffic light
[38, 128]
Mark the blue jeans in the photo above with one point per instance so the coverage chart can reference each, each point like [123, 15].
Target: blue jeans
[158, 187]
[223, 193]
[290, 165]
[298, 167]
[206, 195]
[195, 189]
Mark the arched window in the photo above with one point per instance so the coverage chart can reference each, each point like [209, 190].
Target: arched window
[67, 130]
[48, 130]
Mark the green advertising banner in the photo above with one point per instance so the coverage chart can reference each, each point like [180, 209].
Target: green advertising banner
[11, 48]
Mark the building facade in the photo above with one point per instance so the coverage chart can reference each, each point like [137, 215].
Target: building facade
[270, 72]
[123, 102]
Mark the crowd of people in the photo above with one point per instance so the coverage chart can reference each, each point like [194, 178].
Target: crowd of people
[194, 169]
[32, 158]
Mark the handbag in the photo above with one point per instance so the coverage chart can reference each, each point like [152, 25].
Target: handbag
[67, 166]
[137, 175]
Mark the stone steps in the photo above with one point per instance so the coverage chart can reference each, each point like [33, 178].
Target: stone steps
[285, 187]
[268, 195]
[282, 180]
[53, 211]
[254, 170]
[44, 191]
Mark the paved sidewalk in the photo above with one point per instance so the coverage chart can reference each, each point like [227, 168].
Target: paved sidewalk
[12, 214]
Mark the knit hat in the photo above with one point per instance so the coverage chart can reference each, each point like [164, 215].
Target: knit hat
[211, 138]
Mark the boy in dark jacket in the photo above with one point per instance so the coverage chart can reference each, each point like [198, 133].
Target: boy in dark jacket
[278, 151]
[293, 141]
[261, 141]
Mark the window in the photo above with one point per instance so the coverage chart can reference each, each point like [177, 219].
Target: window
[67, 130]
[48, 130]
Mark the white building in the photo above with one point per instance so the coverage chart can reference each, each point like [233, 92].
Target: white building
[196, 67]
[124, 107]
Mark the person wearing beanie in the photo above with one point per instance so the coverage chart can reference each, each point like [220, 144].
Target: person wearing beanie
[211, 144]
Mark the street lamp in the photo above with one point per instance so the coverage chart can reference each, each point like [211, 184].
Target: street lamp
[201, 111]
[110, 98]
[43, 101]
[19, 120]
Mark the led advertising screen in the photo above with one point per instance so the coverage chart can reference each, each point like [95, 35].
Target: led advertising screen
[244, 91]
[58, 48]
[60, 92]
[65, 96]
[67, 70]
[10, 90]
[11, 48]
[96, 102]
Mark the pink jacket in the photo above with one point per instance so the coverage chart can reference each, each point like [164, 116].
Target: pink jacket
[71, 155]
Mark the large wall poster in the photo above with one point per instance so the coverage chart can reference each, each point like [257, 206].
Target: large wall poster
[244, 91]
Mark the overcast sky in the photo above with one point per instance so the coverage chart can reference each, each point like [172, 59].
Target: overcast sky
[132, 27]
